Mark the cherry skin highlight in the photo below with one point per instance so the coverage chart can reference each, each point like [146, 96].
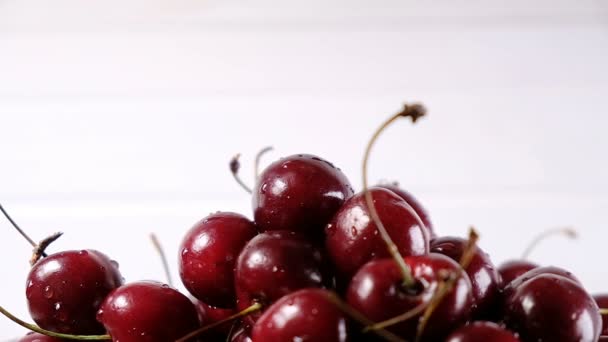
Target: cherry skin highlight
[512, 269]
[64, 290]
[352, 238]
[208, 255]
[485, 280]
[377, 292]
[274, 264]
[148, 311]
[299, 193]
[242, 333]
[415, 204]
[482, 332]
[549, 308]
[305, 315]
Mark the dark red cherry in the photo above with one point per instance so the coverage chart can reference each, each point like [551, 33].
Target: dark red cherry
[482, 332]
[208, 256]
[352, 238]
[415, 204]
[512, 269]
[305, 315]
[147, 311]
[209, 314]
[64, 290]
[536, 272]
[274, 264]
[35, 337]
[550, 308]
[299, 193]
[485, 280]
[602, 302]
[377, 292]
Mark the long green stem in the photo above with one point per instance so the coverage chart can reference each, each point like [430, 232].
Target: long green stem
[39, 330]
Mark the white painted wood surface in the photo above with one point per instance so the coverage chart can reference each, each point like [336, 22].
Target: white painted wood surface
[117, 118]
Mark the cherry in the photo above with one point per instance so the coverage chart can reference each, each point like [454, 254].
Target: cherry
[299, 193]
[208, 257]
[414, 203]
[482, 332]
[509, 288]
[36, 337]
[485, 280]
[274, 264]
[602, 303]
[209, 314]
[305, 315]
[377, 291]
[514, 268]
[551, 307]
[64, 290]
[352, 237]
[147, 311]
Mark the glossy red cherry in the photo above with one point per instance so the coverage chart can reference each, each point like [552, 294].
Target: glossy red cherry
[415, 204]
[485, 280]
[482, 332]
[274, 264]
[352, 238]
[35, 337]
[549, 308]
[509, 288]
[64, 290]
[377, 292]
[147, 311]
[512, 269]
[305, 315]
[299, 193]
[208, 256]
[602, 302]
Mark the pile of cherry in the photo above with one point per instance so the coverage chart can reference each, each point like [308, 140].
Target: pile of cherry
[318, 262]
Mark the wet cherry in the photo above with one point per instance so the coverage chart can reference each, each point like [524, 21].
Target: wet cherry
[305, 315]
[352, 238]
[512, 269]
[147, 311]
[549, 308]
[377, 292]
[209, 314]
[208, 256]
[414, 203]
[64, 290]
[482, 332]
[299, 193]
[485, 280]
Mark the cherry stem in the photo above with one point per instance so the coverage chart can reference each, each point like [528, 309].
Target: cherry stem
[414, 112]
[25, 236]
[39, 330]
[253, 308]
[450, 279]
[604, 312]
[42, 246]
[397, 319]
[568, 232]
[163, 257]
[235, 166]
[357, 316]
[258, 158]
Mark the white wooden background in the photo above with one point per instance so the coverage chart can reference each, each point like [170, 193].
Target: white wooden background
[117, 118]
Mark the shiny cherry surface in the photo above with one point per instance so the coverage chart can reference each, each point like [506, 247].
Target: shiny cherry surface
[602, 302]
[485, 280]
[508, 289]
[377, 292]
[147, 311]
[208, 255]
[352, 238]
[64, 290]
[550, 308]
[35, 337]
[274, 264]
[306, 315]
[482, 332]
[415, 204]
[512, 269]
[299, 193]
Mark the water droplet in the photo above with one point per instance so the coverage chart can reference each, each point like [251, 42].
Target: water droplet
[353, 231]
[165, 286]
[274, 268]
[48, 292]
[83, 252]
[315, 311]
[57, 306]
